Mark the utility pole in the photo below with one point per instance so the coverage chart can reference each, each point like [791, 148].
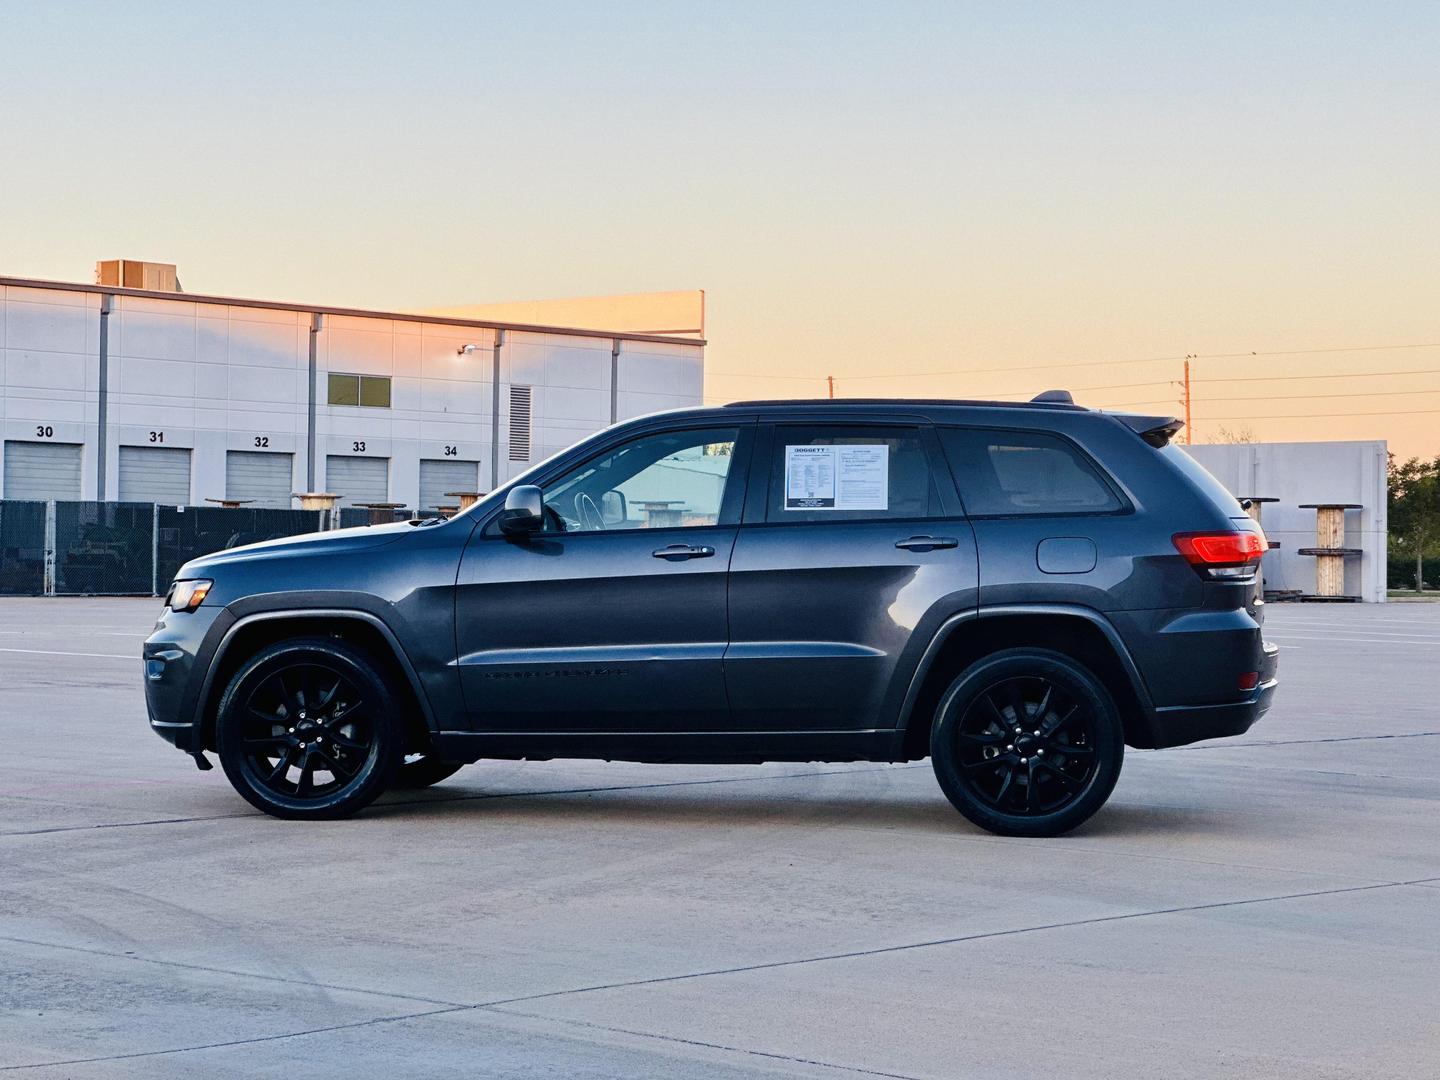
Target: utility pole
[831, 380]
[1185, 402]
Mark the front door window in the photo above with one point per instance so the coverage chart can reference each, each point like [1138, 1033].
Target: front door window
[675, 479]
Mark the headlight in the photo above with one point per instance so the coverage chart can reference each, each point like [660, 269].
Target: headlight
[187, 595]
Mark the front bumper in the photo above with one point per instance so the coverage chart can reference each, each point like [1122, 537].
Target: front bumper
[174, 672]
[1177, 725]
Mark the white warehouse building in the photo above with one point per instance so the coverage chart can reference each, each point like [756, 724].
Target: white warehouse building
[119, 393]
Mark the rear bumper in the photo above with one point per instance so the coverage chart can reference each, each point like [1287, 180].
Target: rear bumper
[1177, 725]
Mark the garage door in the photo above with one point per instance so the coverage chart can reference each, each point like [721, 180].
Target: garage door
[358, 479]
[35, 470]
[155, 474]
[439, 475]
[264, 479]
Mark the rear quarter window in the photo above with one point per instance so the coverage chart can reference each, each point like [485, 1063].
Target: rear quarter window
[1010, 473]
[1200, 476]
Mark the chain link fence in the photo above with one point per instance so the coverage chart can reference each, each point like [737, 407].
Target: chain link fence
[125, 549]
[22, 548]
[188, 531]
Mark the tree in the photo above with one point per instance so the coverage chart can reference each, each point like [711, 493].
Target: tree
[1241, 435]
[1414, 510]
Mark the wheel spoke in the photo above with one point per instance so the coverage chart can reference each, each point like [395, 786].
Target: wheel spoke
[985, 738]
[338, 768]
[341, 711]
[287, 696]
[324, 699]
[307, 777]
[1005, 786]
[1044, 706]
[283, 767]
[1065, 777]
[1054, 726]
[1017, 703]
[265, 740]
[344, 741]
[995, 708]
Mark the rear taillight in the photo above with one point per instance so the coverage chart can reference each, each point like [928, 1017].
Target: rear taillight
[1222, 555]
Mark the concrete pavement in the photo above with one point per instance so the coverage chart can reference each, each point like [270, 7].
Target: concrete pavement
[1256, 907]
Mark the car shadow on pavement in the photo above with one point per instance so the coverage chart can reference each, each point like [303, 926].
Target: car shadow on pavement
[681, 805]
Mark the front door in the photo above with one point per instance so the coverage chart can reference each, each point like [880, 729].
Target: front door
[612, 619]
[840, 573]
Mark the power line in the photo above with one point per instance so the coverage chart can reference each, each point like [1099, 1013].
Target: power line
[1307, 397]
[1312, 416]
[1106, 363]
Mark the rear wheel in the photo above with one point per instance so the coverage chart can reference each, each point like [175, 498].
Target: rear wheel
[309, 729]
[1027, 742]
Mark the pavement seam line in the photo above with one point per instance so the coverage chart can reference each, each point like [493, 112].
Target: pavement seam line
[1298, 742]
[213, 970]
[983, 936]
[475, 798]
[234, 1042]
[697, 1042]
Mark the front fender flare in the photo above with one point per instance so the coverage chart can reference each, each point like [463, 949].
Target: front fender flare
[337, 613]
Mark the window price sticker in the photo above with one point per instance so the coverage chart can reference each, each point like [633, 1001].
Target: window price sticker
[837, 477]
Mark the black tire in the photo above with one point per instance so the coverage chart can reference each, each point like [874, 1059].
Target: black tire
[301, 711]
[420, 770]
[998, 772]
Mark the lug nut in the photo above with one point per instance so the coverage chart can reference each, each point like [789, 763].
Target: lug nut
[302, 746]
[1010, 747]
[1036, 734]
[1024, 761]
[319, 738]
[292, 731]
[1040, 752]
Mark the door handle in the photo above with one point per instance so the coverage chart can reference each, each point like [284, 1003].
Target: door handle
[681, 552]
[927, 543]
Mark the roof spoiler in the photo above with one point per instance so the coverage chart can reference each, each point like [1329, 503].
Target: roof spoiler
[1155, 430]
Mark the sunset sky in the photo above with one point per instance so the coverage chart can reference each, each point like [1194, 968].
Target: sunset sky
[958, 193]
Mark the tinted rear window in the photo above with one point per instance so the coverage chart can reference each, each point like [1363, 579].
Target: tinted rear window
[1201, 478]
[1005, 473]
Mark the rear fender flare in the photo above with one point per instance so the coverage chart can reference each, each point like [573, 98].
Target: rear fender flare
[1038, 611]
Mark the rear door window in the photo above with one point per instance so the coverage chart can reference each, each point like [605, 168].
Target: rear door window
[838, 472]
[1014, 473]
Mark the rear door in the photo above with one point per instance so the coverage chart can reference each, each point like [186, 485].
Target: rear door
[852, 549]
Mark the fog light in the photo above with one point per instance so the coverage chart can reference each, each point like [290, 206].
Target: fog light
[1249, 680]
[155, 670]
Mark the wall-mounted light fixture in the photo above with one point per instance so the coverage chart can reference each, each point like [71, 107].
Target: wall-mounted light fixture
[467, 350]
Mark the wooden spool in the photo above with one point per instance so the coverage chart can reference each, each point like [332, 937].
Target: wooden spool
[1330, 551]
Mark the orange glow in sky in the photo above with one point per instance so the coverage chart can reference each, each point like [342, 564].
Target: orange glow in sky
[920, 199]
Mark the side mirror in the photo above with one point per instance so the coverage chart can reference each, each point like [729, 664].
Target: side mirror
[613, 508]
[524, 512]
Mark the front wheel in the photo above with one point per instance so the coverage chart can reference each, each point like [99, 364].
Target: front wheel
[308, 728]
[1027, 742]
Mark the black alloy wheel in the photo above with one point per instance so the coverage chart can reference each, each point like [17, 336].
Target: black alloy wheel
[1027, 743]
[307, 729]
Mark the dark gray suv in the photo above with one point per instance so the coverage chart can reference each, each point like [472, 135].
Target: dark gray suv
[1016, 591]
